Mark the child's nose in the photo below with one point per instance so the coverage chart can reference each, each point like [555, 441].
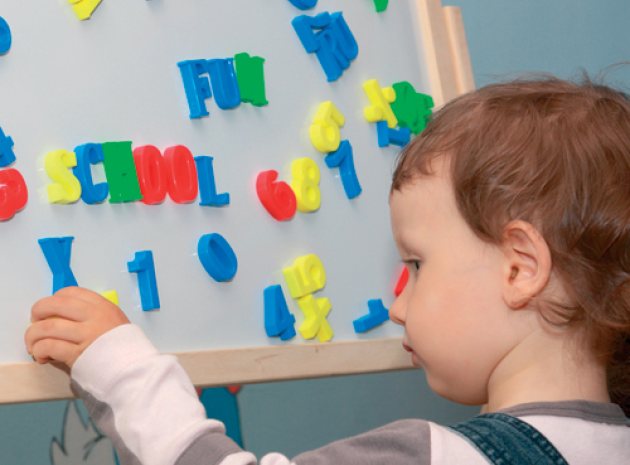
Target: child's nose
[397, 311]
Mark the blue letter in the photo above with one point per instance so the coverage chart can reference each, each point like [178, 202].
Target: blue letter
[90, 154]
[57, 252]
[207, 185]
[6, 150]
[197, 88]
[224, 83]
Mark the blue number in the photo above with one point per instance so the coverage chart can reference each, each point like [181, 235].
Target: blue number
[278, 320]
[145, 267]
[343, 159]
[217, 257]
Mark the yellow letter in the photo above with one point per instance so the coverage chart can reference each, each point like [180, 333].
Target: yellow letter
[66, 188]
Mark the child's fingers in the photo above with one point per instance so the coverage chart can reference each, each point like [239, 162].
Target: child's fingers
[57, 305]
[53, 328]
[45, 350]
[81, 293]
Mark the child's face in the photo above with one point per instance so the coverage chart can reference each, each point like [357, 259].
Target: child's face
[452, 308]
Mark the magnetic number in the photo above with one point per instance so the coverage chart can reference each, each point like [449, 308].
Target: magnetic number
[278, 320]
[217, 257]
[277, 197]
[305, 184]
[343, 159]
[325, 131]
[305, 276]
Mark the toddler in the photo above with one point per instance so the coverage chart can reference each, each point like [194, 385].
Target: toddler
[511, 211]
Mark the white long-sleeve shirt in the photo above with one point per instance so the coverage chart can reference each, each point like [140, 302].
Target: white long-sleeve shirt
[144, 401]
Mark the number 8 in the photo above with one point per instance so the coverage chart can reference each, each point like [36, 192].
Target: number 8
[305, 184]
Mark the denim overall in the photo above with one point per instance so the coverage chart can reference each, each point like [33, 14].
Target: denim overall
[506, 440]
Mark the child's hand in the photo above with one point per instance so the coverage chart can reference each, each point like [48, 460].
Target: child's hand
[65, 324]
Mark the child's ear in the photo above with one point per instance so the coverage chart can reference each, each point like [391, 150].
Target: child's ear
[527, 266]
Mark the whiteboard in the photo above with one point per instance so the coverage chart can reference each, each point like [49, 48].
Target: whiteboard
[66, 82]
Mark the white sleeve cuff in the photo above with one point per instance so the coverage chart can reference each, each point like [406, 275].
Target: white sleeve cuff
[100, 364]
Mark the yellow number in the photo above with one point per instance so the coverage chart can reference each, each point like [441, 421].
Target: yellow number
[305, 183]
[325, 133]
[305, 276]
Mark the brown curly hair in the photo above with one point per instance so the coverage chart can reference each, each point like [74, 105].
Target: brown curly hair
[556, 154]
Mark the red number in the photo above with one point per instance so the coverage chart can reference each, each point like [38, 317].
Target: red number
[277, 197]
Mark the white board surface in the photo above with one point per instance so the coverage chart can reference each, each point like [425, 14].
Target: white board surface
[66, 82]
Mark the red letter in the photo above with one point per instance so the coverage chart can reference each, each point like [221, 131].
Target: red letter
[151, 169]
[13, 193]
[183, 186]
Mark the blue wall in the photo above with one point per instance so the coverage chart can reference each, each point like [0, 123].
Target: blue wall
[505, 38]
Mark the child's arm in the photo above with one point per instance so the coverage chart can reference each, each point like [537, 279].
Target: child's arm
[142, 400]
[145, 402]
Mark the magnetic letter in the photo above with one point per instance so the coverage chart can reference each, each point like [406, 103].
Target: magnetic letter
[152, 176]
[120, 171]
[66, 188]
[197, 88]
[87, 155]
[207, 185]
[328, 36]
[57, 251]
[13, 193]
[6, 148]
[182, 180]
[315, 312]
[224, 83]
[251, 79]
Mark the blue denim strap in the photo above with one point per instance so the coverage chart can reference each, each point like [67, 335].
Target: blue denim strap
[506, 440]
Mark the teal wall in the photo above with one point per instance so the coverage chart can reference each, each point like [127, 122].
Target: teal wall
[506, 38]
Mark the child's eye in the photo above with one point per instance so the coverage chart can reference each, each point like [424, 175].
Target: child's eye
[414, 265]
